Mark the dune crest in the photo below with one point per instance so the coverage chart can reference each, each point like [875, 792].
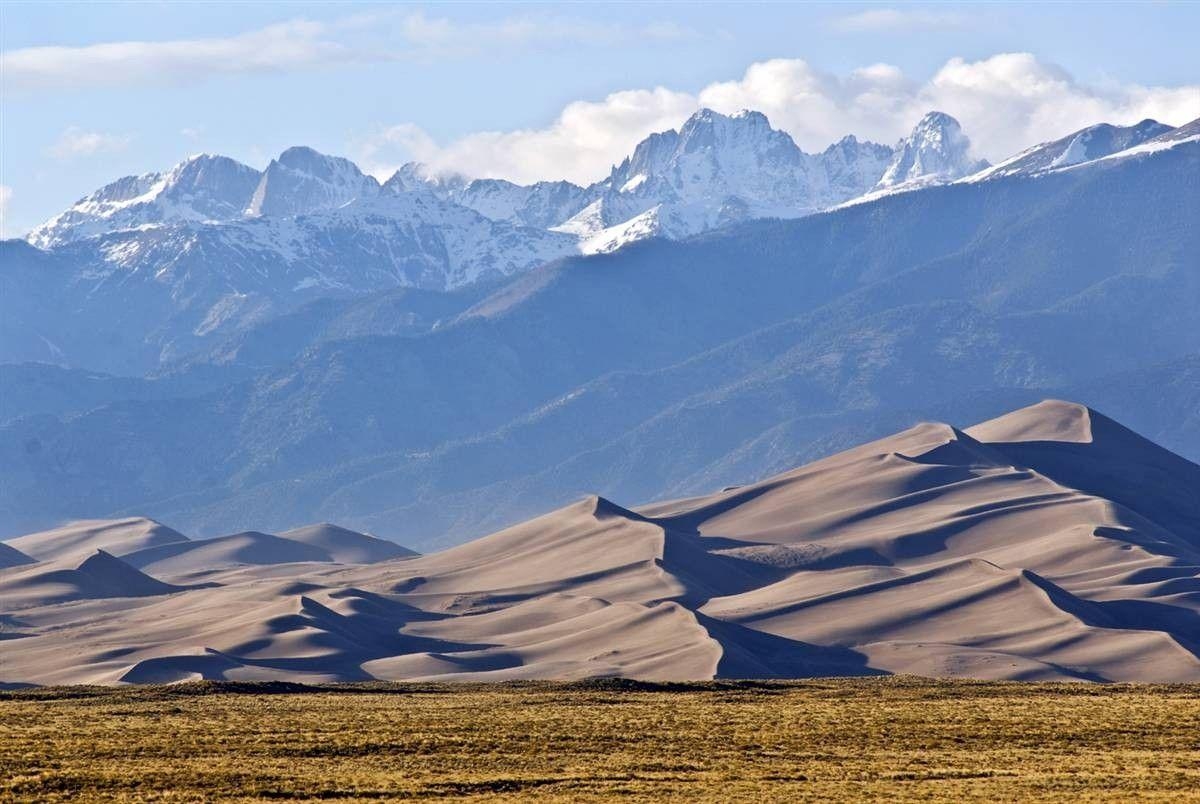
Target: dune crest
[1048, 543]
[1050, 420]
[116, 536]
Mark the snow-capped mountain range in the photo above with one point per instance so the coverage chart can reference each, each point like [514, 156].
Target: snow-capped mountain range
[716, 169]
[213, 245]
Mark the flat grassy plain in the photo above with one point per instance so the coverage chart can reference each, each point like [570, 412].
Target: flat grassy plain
[892, 738]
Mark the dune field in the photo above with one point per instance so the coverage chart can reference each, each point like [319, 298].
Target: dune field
[1050, 544]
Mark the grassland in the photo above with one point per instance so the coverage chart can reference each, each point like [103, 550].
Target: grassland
[892, 739]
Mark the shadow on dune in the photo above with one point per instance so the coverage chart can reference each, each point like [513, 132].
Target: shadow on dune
[756, 654]
[1121, 466]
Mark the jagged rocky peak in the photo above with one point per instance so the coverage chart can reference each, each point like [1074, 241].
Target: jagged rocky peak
[850, 147]
[649, 158]
[740, 141]
[709, 129]
[936, 150]
[407, 178]
[314, 163]
[542, 205]
[715, 170]
[202, 187]
[216, 186]
[211, 172]
[419, 177]
[302, 180]
[853, 165]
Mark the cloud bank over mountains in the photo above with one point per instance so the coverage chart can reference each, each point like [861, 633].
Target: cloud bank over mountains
[1008, 102]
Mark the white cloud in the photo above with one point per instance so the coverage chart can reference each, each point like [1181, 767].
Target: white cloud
[190, 133]
[1012, 100]
[585, 138]
[893, 19]
[76, 142]
[287, 45]
[5, 199]
[303, 44]
[1005, 103]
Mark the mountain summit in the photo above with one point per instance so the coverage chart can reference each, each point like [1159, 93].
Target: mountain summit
[715, 170]
[200, 188]
[213, 247]
[936, 150]
[302, 180]
[1085, 145]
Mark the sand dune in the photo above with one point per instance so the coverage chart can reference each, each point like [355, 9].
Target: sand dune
[117, 537]
[347, 546]
[251, 547]
[12, 557]
[316, 543]
[1050, 543]
[100, 576]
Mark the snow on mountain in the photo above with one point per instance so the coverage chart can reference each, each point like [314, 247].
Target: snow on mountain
[214, 244]
[852, 166]
[1084, 145]
[202, 187]
[936, 151]
[608, 210]
[715, 170]
[543, 204]
[416, 176]
[1187, 133]
[405, 239]
[717, 156]
[658, 221]
[718, 169]
[302, 180]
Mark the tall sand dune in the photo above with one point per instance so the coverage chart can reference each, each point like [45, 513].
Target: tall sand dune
[1049, 543]
[346, 546]
[117, 537]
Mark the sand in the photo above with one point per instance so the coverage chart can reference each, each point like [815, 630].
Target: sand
[1048, 544]
[117, 536]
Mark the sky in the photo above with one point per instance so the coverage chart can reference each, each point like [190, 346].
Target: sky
[90, 92]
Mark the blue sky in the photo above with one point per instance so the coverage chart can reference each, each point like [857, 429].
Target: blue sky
[93, 91]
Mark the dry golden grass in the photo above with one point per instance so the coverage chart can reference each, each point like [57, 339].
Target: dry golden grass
[895, 739]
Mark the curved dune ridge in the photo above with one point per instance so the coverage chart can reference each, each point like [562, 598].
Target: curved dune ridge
[116, 536]
[1050, 543]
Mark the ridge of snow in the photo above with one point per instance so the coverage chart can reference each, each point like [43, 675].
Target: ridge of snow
[1079, 147]
[633, 184]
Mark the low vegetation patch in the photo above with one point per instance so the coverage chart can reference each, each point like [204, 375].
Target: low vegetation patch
[892, 738]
